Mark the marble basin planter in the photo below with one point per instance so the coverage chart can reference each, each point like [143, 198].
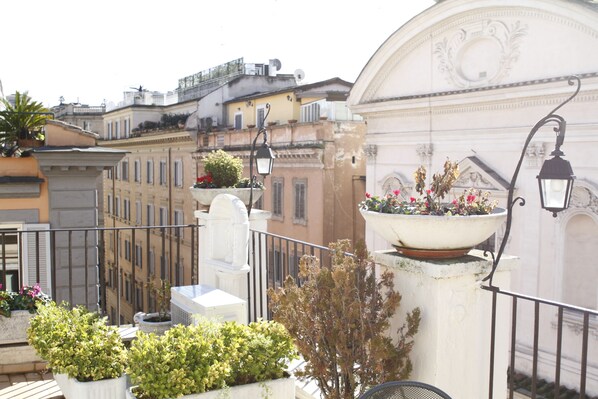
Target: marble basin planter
[282, 388]
[434, 237]
[205, 196]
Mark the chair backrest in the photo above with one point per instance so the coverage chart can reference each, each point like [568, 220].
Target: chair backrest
[404, 390]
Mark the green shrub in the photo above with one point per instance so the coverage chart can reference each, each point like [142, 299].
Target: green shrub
[225, 169]
[195, 359]
[77, 343]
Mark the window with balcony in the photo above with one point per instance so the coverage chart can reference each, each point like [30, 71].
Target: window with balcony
[277, 198]
[299, 201]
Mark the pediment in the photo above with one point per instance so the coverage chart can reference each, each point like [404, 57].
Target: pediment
[463, 45]
[476, 174]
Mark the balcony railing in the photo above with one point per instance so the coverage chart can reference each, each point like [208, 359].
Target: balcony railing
[553, 345]
[108, 269]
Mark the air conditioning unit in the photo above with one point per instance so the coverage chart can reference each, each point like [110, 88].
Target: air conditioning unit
[205, 301]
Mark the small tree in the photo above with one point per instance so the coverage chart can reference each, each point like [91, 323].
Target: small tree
[23, 120]
[339, 318]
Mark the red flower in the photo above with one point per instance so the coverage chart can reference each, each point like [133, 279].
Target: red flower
[428, 192]
[454, 202]
[396, 192]
[368, 195]
[412, 199]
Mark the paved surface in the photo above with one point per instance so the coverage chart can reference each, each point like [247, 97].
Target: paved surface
[29, 386]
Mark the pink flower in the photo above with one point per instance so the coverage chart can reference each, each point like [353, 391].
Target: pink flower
[368, 195]
[396, 192]
[470, 198]
[428, 192]
[412, 199]
[454, 202]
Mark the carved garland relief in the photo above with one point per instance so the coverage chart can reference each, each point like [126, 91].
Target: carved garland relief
[480, 53]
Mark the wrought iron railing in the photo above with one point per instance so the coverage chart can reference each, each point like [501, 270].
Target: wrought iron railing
[106, 269]
[544, 335]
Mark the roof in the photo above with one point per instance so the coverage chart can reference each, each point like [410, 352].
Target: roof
[297, 90]
[72, 128]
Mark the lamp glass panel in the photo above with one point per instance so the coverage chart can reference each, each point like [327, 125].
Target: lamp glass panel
[554, 192]
[264, 166]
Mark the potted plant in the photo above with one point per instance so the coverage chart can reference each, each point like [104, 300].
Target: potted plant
[223, 176]
[340, 319]
[211, 360]
[16, 309]
[159, 321]
[429, 227]
[87, 357]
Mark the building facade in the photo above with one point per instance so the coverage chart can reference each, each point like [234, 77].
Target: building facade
[491, 73]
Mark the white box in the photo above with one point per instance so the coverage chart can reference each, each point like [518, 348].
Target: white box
[205, 301]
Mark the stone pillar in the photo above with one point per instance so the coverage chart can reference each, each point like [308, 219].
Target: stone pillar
[452, 347]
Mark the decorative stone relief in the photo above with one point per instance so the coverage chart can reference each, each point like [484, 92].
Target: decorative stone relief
[370, 151]
[480, 53]
[396, 182]
[582, 197]
[425, 152]
[474, 179]
[534, 154]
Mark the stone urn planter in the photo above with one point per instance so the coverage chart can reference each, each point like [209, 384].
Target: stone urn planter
[205, 196]
[282, 388]
[114, 388]
[434, 237]
[147, 325]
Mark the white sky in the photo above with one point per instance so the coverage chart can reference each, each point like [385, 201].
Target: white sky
[94, 50]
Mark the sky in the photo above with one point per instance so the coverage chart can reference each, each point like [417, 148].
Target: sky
[92, 51]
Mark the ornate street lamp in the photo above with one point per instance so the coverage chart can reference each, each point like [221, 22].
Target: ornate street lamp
[555, 178]
[264, 158]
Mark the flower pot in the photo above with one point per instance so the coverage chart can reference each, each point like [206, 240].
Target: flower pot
[205, 196]
[114, 388]
[282, 388]
[13, 329]
[148, 326]
[434, 237]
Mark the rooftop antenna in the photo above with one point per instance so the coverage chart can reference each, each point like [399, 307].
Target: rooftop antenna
[139, 89]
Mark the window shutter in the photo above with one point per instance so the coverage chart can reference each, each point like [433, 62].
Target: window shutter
[31, 254]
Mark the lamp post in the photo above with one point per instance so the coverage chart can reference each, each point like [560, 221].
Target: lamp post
[264, 158]
[555, 179]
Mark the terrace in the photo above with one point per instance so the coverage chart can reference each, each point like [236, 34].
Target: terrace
[498, 319]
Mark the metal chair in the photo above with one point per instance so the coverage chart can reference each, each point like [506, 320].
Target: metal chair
[404, 390]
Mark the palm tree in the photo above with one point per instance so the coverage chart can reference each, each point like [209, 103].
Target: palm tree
[23, 120]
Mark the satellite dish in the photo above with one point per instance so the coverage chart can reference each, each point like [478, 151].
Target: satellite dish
[299, 75]
[276, 64]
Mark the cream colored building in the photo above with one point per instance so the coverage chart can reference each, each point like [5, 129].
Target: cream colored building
[468, 80]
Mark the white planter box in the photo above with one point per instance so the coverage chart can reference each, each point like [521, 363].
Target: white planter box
[13, 329]
[114, 388]
[283, 388]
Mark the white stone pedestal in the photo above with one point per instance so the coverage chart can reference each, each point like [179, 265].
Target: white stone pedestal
[223, 244]
[452, 347]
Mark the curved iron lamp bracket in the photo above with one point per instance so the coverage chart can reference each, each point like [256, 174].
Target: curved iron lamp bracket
[261, 131]
[559, 129]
